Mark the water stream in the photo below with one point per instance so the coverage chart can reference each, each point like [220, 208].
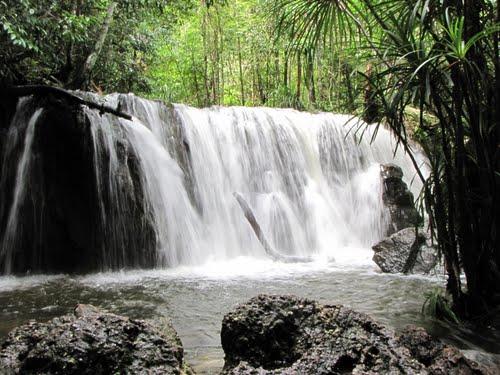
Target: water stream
[196, 299]
[312, 180]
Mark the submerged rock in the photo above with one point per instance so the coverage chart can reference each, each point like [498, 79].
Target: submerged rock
[92, 341]
[405, 252]
[398, 199]
[290, 335]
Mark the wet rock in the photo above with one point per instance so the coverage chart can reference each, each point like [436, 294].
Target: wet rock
[398, 199]
[437, 357]
[78, 214]
[92, 341]
[290, 335]
[405, 252]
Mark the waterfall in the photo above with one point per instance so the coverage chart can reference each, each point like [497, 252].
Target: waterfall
[22, 122]
[164, 184]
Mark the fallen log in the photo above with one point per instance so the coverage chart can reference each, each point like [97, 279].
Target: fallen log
[20, 91]
[275, 255]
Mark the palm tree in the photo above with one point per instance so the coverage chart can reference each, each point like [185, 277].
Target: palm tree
[441, 56]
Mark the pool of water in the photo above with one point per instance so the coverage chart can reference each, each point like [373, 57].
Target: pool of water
[196, 299]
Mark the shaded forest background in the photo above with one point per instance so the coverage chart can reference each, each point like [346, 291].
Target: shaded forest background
[195, 52]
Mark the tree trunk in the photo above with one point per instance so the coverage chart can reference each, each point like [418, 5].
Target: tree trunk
[242, 83]
[82, 78]
[299, 80]
[310, 78]
[350, 92]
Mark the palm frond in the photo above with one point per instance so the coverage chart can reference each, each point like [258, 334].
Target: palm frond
[309, 23]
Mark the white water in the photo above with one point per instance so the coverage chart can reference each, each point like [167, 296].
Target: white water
[313, 186]
[8, 243]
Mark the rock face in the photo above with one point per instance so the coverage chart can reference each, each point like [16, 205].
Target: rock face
[290, 335]
[92, 342]
[398, 199]
[73, 218]
[405, 252]
[437, 357]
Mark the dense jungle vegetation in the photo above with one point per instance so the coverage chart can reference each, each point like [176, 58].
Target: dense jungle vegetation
[382, 59]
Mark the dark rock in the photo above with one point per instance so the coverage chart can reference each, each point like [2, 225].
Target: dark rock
[405, 252]
[398, 199]
[92, 341]
[78, 214]
[437, 357]
[290, 335]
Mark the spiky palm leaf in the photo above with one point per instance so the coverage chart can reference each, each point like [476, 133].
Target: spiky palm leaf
[308, 23]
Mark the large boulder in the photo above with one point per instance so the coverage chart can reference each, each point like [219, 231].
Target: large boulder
[82, 208]
[406, 251]
[398, 199]
[92, 341]
[291, 335]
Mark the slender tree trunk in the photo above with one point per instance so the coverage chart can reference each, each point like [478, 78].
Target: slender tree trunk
[299, 79]
[205, 58]
[242, 83]
[195, 79]
[350, 92]
[220, 58]
[310, 78]
[285, 71]
[82, 78]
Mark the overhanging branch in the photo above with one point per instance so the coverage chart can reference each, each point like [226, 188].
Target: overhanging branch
[20, 91]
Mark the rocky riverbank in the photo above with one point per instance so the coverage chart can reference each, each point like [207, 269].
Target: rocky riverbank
[266, 335]
[93, 341]
[290, 335]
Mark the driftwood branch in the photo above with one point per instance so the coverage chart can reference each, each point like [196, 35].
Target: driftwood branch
[247, 211]
[20, 91]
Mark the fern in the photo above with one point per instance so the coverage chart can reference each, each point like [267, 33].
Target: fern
[437, 305]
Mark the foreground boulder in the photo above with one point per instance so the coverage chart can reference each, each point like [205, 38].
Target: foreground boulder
[405, 252]
[92, 341]
[436, 356]
[398, 199]
[290, 335]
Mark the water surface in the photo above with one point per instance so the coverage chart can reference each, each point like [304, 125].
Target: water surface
[196, 299]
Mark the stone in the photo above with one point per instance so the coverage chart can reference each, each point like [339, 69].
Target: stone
[290, 335]
[439, 358]
[79, 214]
[398, 199]
[406, 252]
[92, 341]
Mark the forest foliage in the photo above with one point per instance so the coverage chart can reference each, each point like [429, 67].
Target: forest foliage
[195, 52]
[383, 59]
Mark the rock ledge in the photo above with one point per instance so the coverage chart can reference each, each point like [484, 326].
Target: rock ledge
[290, 335]
[92, 341]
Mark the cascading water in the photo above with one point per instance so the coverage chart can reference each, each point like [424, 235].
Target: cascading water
[82, 191]
[165, 183]
[22, 121]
